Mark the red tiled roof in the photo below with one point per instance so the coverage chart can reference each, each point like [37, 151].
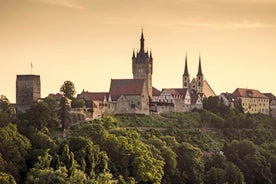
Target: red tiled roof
[120, 87]
[95, 96]
[176, 91]
[249, 93]
[155, 92]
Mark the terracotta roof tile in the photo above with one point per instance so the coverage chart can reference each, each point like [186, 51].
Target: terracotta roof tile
[120, 87]
[176, 91]
[249, 93]
[155, 92]
[95, 96]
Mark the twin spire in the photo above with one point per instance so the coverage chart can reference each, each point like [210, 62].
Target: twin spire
[199, 72]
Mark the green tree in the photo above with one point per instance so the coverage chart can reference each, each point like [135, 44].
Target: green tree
[6, 178]
[64, 113]
[77, 103]
[68, 89]
[190, 164]
[42, 173]
[215, 175]
[6, 111]
[14, 148]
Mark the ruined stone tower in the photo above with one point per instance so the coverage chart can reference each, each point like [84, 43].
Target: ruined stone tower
[142, 65]
[27, 91]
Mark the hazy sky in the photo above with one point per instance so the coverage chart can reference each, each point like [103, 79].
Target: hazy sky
[91, 41]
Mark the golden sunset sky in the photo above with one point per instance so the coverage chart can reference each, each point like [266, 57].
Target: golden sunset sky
[91, 41]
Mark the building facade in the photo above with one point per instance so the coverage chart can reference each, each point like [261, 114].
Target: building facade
[272, 104]
[252, 101]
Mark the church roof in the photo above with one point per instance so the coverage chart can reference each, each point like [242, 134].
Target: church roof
[126, 87]
[249, 93]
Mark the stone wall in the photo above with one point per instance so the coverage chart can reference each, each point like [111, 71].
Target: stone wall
[27, 91]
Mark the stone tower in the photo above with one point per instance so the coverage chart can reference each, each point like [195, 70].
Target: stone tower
[199, 78]
[186, 76]
[27, 91]
[142, 65]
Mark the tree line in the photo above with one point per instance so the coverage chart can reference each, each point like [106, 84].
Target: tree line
[203, 146]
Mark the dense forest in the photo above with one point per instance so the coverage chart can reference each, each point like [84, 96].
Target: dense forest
[215, 145]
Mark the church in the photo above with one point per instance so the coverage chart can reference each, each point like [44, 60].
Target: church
[138, 96]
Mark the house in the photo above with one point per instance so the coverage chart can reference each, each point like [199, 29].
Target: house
[272, 104]
[252, 100]
[196, 101]
[174, 100]
[128, 96]
[227, 99]
[95, 103]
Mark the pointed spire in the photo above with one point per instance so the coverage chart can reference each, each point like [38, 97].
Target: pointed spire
[142, 41]
[199, 73]
[133, 54]
[186, 73]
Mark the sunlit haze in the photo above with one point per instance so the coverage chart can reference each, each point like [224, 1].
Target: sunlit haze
[90, 42]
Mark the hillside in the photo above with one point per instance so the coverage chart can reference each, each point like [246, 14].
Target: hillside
[191, 147]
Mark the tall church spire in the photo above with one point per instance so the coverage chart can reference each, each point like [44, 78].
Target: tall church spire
[186, 76]
[186, 73]
[199, 73]
[142, 42]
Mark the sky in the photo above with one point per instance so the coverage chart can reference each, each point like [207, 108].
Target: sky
[90, 42]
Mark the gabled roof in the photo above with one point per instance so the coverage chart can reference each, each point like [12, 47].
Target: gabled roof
[176, 91]
[155, 92]
[125, 87]
[194, 98]
[94, 96]
[249, 93]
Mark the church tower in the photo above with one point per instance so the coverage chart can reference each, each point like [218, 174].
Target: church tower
[199, 78]
[142, 65]
[186, 76]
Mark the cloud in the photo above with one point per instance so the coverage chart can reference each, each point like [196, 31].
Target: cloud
[227, 25]
[64, 3]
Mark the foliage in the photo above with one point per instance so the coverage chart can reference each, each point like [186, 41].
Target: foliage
[64, 113]
[13, 148]
[6, 178]
[218, 146]
[6, 111]
[68, 89]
